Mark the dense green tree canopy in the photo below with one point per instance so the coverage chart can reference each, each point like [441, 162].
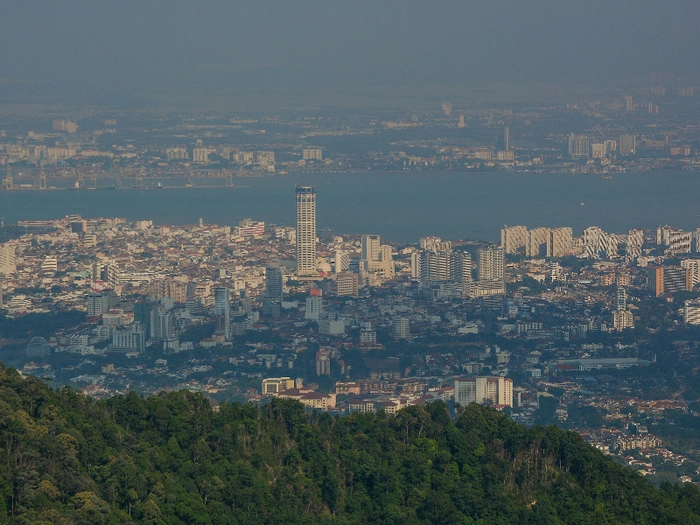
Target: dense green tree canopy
[174, 459]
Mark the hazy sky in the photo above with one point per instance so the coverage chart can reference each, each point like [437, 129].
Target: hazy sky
[98, 50]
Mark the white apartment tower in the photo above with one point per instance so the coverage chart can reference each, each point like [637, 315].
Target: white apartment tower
[491, 263]
[306, 230]
[370, 247]
[491, 272]
[493, 390]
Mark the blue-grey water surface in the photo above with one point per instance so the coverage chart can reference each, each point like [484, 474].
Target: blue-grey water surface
[399, 206]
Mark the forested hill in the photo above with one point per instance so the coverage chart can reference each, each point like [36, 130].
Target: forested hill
[170, 459]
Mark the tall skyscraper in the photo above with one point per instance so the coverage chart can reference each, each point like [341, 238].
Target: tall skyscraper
[274, 285]
[306, 230]
[222, 310]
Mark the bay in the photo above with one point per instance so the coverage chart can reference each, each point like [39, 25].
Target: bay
[401, 207]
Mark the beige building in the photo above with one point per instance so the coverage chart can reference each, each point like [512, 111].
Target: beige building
[538, 239]
[312, 154]
[275, 385]
[513, 238]
[7, 259]
[346, 284]
[560, 242]
[622, 319]
[309, 398]
[376, 258]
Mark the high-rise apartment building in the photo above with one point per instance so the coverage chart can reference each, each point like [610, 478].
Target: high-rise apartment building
[492, 390]
[461, 272]
[401, 328]
[691, 312]
[622, 319]
[537, 241]
[346, 284]
[693, 265]
[7, 259]
[274, 283]
[621, 299]
[312, 154]
[161, 323]
[634, 243]
[222, 310]
[579, 146]
[628, 144]
[560, 242]
[491, 272]
[513, 238]
[306, 230]
[370, 247]
[323, 362]
[342, 261]
[669, 279]
[491, 263]
[375, 258]
[314, 307]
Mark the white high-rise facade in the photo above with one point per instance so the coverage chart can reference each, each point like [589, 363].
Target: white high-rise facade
[370, 247]
[306, 230]
[491, 272]
[493, 390]
[376, 260]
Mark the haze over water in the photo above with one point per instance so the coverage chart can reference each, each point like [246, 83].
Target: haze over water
[401, 207]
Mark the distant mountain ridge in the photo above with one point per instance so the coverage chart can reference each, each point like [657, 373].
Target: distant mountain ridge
[174, 459]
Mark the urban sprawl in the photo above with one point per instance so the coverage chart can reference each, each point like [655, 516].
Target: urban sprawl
[548, 326]
[595, 331]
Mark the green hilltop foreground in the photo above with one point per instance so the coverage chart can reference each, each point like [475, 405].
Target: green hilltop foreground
[172, 459]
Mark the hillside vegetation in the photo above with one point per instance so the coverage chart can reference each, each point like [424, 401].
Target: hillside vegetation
[171, 459]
